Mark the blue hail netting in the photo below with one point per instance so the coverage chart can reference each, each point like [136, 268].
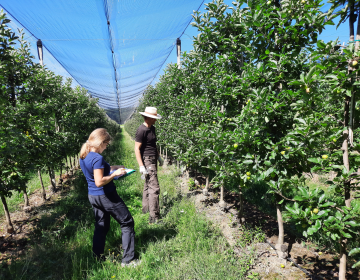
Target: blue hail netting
[112, 48]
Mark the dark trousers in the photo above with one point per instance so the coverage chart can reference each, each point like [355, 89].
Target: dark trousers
[150, 202]
[105, 206]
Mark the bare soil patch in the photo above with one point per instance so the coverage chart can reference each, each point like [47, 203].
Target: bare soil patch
[25, 223]
[318, 264]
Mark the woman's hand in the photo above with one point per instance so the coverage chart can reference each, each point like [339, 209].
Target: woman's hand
[101, 180]
[119, 172]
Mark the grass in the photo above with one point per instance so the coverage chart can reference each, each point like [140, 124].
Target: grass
[184, 246]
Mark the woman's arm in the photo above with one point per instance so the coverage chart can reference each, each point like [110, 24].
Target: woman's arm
[101, 180]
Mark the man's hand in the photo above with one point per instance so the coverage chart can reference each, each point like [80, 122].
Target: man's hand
[161, 161]
[143, 170]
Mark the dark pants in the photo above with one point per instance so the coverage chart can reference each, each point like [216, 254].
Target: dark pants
[150, 202]
[104, 206]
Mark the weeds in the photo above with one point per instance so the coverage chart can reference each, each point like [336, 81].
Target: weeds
[184, 246]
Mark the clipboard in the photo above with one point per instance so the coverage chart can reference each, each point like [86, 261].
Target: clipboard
[128, 172]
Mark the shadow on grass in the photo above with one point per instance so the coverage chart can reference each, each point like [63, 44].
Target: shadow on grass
[60, 245]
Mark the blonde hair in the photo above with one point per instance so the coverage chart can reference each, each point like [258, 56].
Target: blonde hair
[96, 138]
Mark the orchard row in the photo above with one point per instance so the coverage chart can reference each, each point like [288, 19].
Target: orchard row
[43, 120]
[261, 99]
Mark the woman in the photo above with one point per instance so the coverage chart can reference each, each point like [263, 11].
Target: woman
[103, 196]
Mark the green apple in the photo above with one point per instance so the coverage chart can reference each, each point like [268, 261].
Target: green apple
[236, 145]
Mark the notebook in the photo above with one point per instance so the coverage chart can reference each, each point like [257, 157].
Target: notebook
[128, 172]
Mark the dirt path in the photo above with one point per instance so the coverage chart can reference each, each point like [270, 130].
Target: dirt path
[267, 264]
[15, 244]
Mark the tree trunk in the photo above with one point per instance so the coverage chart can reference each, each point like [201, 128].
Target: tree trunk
[26, 199]
[52, 187]
[206, 190]
[345, 148]
[280, 222]
[74, 160]
[42, 186]
[222, 202]
[241, 207]
[343, 256]
[10, 228]
[345, 145]
[69, 162]
[53, 182]
[67, 167]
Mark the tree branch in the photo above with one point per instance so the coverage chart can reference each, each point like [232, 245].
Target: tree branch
[285, 197]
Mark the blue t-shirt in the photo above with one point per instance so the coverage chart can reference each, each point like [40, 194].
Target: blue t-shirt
[88, 164]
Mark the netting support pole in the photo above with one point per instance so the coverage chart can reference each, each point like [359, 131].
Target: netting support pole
[178, 52]
[40, 51]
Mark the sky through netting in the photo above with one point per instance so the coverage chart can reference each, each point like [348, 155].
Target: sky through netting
[112, 48]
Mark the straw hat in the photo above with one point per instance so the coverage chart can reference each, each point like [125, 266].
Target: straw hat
[151, 112]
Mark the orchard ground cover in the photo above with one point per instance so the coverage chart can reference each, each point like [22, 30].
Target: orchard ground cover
[318, 257]
[184, 246]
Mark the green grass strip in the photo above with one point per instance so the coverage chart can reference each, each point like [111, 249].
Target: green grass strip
[184, 246]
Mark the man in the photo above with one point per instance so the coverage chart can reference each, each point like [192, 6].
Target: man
[146, 156]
